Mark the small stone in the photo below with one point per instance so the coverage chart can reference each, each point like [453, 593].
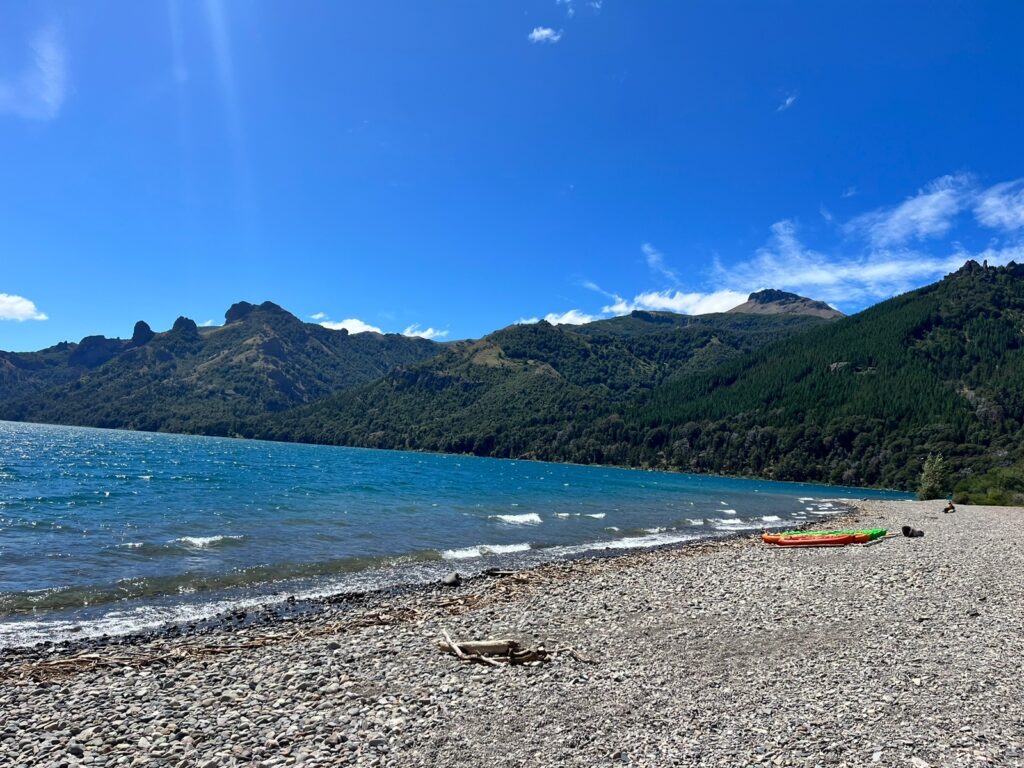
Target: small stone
[452, 580]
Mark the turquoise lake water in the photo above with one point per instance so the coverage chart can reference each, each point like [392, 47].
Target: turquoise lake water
[104, 531]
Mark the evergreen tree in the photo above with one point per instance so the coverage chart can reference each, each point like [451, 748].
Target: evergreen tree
[934, 478]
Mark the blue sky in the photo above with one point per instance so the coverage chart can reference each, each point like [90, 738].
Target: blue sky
[452, 167]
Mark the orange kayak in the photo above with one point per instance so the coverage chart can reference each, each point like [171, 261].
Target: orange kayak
[840, 540]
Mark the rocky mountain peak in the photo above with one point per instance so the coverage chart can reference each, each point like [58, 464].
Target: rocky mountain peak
[774, 302]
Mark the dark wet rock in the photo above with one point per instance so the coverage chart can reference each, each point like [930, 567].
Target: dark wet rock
[452, 580]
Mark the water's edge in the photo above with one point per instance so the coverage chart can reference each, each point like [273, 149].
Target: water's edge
[291, 608]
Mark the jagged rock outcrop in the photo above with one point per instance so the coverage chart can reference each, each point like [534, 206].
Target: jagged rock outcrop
[142, 334]
[93, 351]
[185, 326]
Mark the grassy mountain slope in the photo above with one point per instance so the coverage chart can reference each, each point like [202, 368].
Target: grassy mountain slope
[203, 380]
[530, 390]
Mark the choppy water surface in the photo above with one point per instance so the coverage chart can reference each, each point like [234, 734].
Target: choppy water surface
[106, 531]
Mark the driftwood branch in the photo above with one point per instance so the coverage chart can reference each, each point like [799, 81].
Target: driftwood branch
[498, 652]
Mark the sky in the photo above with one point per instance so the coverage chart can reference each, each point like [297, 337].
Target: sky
[445, 169]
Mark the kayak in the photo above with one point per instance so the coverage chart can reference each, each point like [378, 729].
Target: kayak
[859, 537]
[835, 540]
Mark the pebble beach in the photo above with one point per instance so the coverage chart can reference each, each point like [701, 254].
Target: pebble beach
[904, 652]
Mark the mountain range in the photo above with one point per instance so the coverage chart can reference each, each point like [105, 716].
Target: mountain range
[781, 386]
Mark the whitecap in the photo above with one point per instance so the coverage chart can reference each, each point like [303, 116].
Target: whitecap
[204, 541]
[732, 524]
[771, 518]
[729, 511]
[481, 550]
[131, 544]
[562, 514]
[628, 542]
[596, 515]
[530, 518]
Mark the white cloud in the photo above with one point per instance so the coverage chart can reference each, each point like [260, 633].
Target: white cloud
[656, 262]
[207, 324]
[18, 308]
[424, 333]
[788, 102]
[544, 35]
[692, 303]
[352, 325]
[1001, 206]
[785, 263]
[571, 317]
[570, 10]
[38, 92]
[849, 192]
[826, 214]
[318, 316]
[929, 213]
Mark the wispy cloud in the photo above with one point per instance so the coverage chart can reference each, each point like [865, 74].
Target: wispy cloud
[207, 324]
[884, 253]
[544, 35]
[656, 262]
[352, 325]
[570, 8]
[38, 92]
[415, 331]
[788, 102]
[318, 316]
[849, 192]
[18, 308]
[1001, 206]
[784, 262]
[928, 214]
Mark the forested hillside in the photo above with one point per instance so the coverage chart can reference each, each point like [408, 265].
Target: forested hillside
[859, 401]
[863, 400]
[202, 380]
[532, 390]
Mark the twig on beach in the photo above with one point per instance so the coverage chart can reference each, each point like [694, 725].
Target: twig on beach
[574, 654]
[498, 652]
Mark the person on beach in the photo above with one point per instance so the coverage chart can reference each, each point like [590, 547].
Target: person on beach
[949, 508]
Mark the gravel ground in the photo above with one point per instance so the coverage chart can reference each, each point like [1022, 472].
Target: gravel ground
[909, 652]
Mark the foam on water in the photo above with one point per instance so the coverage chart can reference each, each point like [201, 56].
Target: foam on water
[596, 515]
[482, 550]
[626, 542]
[735, 524]
[531, 518]
[201, 542]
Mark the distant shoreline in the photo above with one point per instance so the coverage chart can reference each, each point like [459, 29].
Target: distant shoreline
[667, 470]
